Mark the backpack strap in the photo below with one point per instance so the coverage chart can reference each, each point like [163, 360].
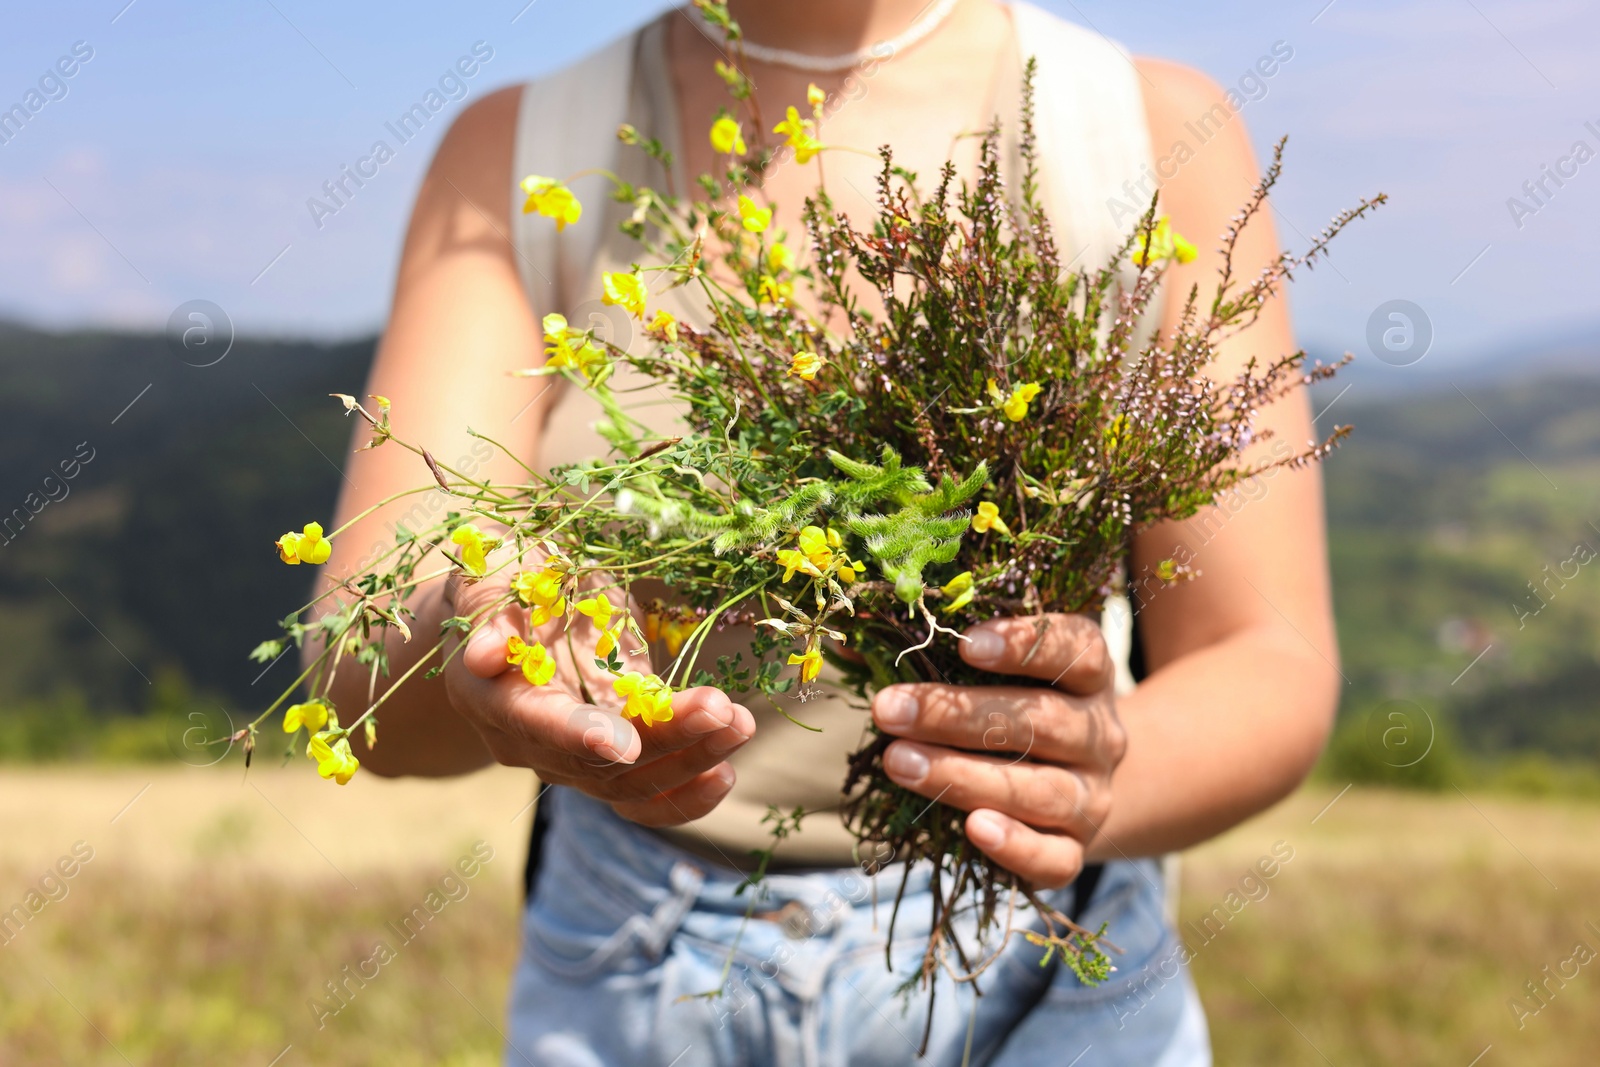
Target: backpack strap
[566, 124]
[1093, 138]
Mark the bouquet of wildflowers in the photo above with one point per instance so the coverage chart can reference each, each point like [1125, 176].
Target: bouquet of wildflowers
[868, 481]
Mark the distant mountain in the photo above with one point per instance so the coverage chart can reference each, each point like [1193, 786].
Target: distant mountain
[1466, 486]
[1568, 351]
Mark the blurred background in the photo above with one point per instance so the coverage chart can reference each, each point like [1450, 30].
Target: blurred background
[179, 291]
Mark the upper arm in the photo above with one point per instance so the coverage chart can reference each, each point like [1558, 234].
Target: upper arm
[1261, 553]
[459, 324]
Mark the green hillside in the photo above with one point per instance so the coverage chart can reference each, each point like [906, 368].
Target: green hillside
[141, 587]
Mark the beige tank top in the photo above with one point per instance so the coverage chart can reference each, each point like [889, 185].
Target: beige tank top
[1092, 138]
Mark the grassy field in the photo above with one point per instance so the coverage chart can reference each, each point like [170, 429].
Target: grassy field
[213, 910]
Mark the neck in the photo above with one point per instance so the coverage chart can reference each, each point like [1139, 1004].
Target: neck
[824, 27]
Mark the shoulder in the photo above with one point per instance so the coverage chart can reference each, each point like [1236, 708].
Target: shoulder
[481, 135]
[1199, 144]
[1173, 89]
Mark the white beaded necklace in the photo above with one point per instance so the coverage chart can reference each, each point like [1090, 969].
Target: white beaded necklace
[920, 28]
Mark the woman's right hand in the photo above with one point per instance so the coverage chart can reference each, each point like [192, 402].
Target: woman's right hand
[662, 775]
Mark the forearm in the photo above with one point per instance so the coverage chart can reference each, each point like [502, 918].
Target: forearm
[1215, 737]
[421, 733]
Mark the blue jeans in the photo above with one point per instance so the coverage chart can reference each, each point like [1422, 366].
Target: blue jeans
[624, 929]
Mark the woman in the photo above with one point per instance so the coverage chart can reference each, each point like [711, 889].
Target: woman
[635, 907]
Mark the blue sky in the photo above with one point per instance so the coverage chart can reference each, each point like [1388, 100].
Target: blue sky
[179, 161]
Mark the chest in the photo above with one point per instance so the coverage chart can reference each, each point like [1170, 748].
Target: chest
[928, 105]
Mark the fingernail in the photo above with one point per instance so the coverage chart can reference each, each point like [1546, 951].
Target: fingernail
[896, 709]
[486, 637]
[984, 645]
[905, 764]
[609, 754]
[725, 776]
[726, 741]
[985, 831]
[705, 721]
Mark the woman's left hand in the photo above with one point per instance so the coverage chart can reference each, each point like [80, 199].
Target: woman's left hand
[1030, 765]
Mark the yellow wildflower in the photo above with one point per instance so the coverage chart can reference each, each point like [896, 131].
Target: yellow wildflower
[726, 137]
[780, 257]
[819, 554]
[673, 629]
[1116, 430]
[810, 664]
[597, 608]
[988, 518]
[816, 98]
[805, 365]
[756, 219]
[334, 760]
[313, 715]
[1165, 243]
[675, 632]
[537, 663]
[1167, 570]
[648, 697]
[540, 591]
[1015, 406]
[568, 347]
[960, 590]
[307, 546]
[600, 610]
[665, 324]
[552, 199]
[474, 548]
[798, 136]
[775, 292]
[625, 289]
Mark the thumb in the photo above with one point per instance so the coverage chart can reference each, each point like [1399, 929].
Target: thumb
[485, 654]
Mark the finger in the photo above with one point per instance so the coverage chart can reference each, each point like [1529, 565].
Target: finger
[1040, 794]
[485, 654]
[1039, 723]
[597, 737]
[1068, 651]
[688, 802]
[671, 771]
[1049, 861]
[545, 727]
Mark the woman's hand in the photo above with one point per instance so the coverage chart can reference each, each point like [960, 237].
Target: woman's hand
[661, 775]
[1031, 765]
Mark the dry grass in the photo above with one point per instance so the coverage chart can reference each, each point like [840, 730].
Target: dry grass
[214, 911]
[1400, 931]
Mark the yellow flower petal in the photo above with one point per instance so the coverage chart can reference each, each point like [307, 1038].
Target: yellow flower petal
[726, 137]
[756, 219]
[624, 289]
